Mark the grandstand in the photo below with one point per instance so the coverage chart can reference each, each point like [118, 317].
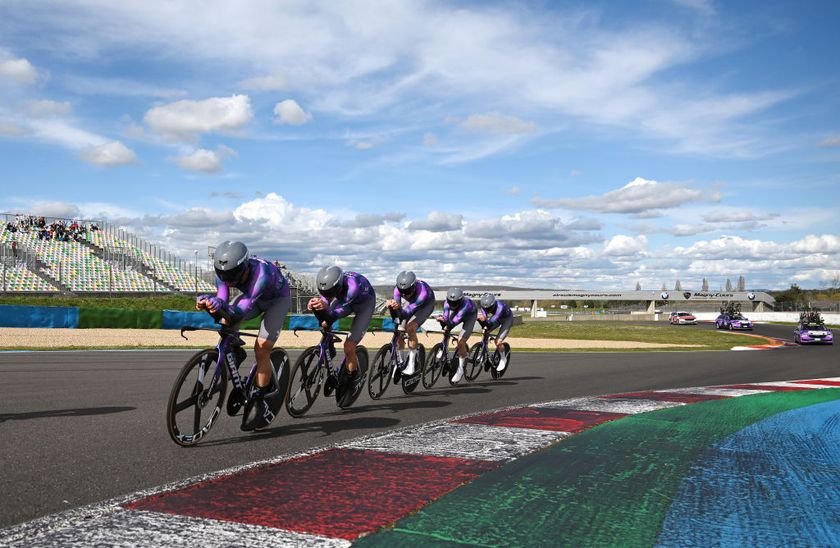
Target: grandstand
[40, 255]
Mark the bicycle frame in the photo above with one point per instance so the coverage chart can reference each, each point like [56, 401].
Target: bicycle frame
[324, 358]
[225, 349]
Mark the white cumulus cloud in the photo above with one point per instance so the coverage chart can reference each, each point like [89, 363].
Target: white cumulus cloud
[290, 113]
[201, 160]
[109, 154]
[16, 70]
[183, 120]
[622, 246]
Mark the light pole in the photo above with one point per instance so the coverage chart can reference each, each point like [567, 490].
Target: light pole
[195, 269]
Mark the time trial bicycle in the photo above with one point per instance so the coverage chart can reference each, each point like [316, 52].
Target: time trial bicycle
[389, 363]
[314, 369]
[197, 397]
[482, 358]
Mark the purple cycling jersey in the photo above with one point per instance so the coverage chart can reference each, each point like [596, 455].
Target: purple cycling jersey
[264, 283]
[503, 312]
[422, 295]
[453, 316]
[355, 289]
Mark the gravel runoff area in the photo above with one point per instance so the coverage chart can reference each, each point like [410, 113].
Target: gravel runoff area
[22, 338]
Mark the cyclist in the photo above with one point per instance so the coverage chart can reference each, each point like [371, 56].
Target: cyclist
[343, 293]
[264, 291]
[421, 303]
[495, 314]
[458, 309]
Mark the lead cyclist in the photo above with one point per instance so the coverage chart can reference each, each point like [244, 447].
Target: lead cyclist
[264, 291]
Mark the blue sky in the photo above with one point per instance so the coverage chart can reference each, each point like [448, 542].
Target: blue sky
[547, 144]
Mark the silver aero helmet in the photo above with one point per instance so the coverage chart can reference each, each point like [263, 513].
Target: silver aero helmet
[230, 259]
[328, 280]
[406, 280]
[455, 295]
[488, 301]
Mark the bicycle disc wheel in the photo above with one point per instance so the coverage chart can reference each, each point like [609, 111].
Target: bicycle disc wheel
[431, 367]
[473, 367]
[500, 374]
[196, 399]
[304, 382]
[409, 384]
[379, 375]
[353, 392]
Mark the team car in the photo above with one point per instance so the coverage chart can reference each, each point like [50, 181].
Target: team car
[733, 321]
[682, 318]
[812, 330]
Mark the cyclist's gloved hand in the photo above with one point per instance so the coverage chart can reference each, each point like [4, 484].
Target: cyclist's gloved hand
[214, 304]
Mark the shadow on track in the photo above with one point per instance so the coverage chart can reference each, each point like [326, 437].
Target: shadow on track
[78, 412]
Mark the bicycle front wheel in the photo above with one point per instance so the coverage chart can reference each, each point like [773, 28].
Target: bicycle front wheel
[432, 366]
[474, 362]
[196, 399]
[304, 382]
[379, 376]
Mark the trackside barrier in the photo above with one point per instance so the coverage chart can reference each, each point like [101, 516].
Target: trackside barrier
[39, 316]
[175, 319]
[84, 318]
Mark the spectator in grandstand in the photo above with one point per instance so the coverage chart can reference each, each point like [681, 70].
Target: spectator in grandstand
[14, 248]
[11, 228]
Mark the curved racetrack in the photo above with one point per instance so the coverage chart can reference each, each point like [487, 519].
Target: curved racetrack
[80, 427]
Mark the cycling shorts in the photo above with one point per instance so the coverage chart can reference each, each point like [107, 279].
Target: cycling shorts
[274, 316]
[421, 314]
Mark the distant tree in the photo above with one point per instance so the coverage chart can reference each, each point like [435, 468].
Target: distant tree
[728, 284]
[638, 286]
[705, 284]
[742, 284]
[677, 285]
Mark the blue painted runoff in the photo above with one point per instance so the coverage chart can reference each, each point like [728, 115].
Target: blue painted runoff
[774, 483]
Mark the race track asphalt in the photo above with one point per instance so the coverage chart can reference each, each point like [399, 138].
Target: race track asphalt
[80, 427]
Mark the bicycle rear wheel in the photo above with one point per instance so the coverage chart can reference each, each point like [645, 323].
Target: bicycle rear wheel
[499, 374]
[474, 363]
[409, 384]
[379, 375]
[304, 382]
[431, 367]
[196, 399]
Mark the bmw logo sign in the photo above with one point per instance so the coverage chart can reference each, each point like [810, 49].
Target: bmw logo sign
[664, 295]
[751, 296]
[687, 294]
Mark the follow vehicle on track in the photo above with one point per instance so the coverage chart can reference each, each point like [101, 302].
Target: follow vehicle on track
[812, 330]
[731, 318]
[682, 318]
